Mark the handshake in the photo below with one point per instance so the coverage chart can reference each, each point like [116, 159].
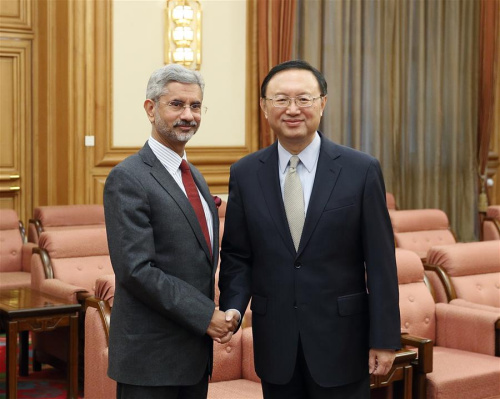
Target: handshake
[222, 325]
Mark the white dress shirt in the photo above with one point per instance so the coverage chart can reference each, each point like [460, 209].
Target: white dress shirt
[172, 161]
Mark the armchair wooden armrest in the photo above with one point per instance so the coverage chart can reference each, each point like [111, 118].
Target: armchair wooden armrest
[422, 365]
[45, 258]
[35, 228]
[445, 280]
[104, 311]
[400, 376]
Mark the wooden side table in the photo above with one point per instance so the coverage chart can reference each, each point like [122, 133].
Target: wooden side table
[400, 375]
[23, 310]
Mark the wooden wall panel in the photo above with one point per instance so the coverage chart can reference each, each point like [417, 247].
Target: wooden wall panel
[73, 100]
[15, 126]
[16, 15]
[213, 162]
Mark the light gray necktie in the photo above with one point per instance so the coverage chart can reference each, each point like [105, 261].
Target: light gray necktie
[294, 201]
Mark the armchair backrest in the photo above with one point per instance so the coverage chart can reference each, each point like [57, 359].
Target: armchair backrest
[390, 201]
[491, 223]
[469, 271]
[59, 217]
[77, 257]
[416, 305]
[420, 229]
[493, 212]
[11, 241]
[228, 360]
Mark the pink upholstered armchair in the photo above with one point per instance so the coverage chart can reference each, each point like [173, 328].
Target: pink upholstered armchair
[67, 262]
[460, 363]
[420, 229]
[491, 224]
[469, 271]
[15, 254]
[63, 217]
[234, 372]
[66, 265]
[97, 384]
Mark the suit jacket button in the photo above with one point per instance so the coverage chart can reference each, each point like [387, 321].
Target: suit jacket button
[298, 265]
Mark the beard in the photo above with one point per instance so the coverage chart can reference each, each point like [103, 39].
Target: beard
[169, 134]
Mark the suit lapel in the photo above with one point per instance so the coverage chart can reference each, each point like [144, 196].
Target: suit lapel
[168, 183]
[271, 191]
[327, 173]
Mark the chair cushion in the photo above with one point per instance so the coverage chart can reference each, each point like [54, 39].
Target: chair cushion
[243, 389]
[68, 215]
[460, 374]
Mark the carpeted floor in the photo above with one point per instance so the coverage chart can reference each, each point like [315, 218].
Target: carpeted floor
[48, 383]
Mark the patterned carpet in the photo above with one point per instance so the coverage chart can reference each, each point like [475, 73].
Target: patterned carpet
[48, 383]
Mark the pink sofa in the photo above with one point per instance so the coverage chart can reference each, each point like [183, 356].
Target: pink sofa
[63, 217]
[461, 363]
[15, 254]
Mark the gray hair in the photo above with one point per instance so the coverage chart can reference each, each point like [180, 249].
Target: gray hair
[171, 73]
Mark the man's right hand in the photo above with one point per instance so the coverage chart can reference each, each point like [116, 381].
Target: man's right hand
[221, 327]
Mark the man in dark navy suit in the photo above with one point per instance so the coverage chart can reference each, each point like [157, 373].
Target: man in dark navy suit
[308, 238]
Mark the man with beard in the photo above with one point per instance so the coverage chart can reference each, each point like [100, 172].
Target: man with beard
[163, 230]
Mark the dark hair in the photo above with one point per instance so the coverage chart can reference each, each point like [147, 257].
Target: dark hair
[294, 64]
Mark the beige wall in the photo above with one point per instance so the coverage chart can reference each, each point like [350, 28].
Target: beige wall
[138, 28]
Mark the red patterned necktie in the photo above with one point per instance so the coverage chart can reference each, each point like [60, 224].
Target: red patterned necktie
[194, 198]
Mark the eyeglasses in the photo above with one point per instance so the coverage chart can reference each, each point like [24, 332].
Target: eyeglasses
[178, 106]
[284, 101]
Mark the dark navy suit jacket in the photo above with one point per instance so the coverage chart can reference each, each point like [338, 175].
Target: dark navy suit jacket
[338, 292]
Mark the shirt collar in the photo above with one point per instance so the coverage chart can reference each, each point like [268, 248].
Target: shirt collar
[169, 158]
[308, 156]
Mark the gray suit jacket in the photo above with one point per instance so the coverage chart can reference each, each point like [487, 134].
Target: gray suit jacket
[164, 275]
